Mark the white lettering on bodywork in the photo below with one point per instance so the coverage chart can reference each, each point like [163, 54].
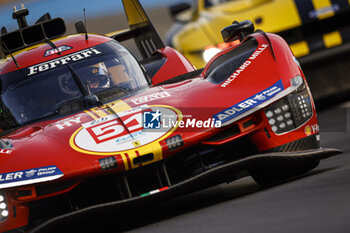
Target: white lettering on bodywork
[68, 123]
[245, 65]
[62, 61]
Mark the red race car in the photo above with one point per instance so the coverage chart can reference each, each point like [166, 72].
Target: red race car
[86, 127]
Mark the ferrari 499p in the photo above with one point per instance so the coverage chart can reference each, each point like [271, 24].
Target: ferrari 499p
[86, 127]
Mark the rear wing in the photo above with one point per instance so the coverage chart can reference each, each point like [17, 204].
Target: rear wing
[141, 30]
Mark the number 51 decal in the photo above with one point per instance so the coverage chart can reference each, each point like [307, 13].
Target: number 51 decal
[111, 127]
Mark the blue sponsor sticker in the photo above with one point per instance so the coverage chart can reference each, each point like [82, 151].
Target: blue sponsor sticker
[249, 103]
[152, 120]
[29, 176]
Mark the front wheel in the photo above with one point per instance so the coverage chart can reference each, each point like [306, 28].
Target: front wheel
[268, 175]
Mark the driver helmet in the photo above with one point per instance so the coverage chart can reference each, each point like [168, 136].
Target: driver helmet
[97, 76]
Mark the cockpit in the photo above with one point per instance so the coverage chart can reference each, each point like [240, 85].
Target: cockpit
[59, 86]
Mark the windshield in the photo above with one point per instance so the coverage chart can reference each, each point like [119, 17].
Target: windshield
[50, 89]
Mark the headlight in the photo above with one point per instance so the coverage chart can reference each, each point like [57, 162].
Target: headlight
[291, 111]
[209, 53]
[3, 207]
[212, 50]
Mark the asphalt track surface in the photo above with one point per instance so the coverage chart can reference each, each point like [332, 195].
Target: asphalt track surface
[318, 201]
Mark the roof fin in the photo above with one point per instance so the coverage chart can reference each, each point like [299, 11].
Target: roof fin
[145, 36]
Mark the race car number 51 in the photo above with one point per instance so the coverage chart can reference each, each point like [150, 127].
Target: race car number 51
[106, 129]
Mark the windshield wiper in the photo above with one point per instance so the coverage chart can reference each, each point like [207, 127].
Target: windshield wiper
[90, 99]
[83, 89]
[14, 59]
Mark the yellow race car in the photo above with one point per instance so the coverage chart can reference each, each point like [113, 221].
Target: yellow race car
[307, 25]
[318, 32]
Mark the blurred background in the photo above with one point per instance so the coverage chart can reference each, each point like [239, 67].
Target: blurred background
[102, 16]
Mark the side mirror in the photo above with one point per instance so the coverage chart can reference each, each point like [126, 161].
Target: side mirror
[80, 27]
[177, 8]
[237, 31]
[91, 100]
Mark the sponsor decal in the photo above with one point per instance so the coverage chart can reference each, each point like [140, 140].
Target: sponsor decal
[315, 128]
[5, 151]
[115, 127]
[249, 103]
[55, 51]
[108, 163]
[194, 123]
[136, 143]
[324, 11]
[122, 131]
[311, 129]
[152, 120]
[174, 142]
[29, 176]
[308, 130]
[318, 137]
[150, 97]
[62, 61]
[244, 65]
[68, 123]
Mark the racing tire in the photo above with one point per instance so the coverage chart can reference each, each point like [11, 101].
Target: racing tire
[266, 176]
